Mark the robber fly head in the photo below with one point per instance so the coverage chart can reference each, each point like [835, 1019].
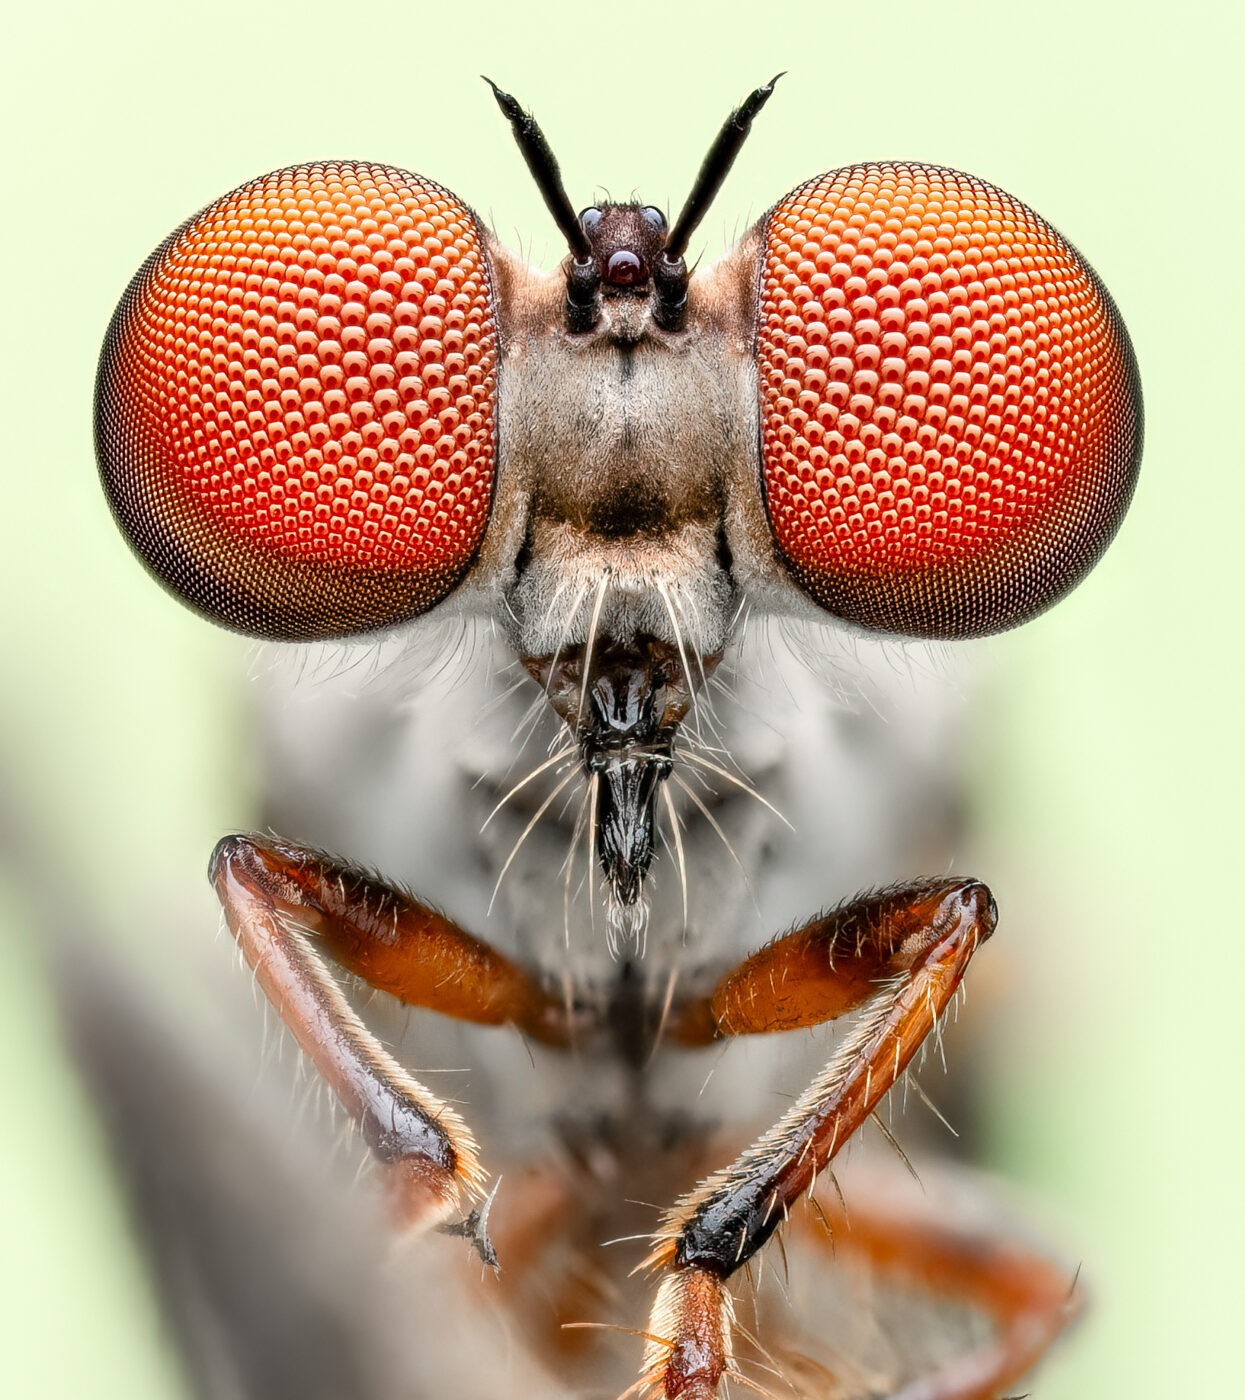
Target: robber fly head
[331, 401]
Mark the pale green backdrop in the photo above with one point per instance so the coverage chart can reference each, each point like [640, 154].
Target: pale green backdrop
[1109, 765]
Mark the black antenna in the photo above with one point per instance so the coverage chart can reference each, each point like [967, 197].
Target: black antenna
[544, 167]
[716, 166]
[670, 275]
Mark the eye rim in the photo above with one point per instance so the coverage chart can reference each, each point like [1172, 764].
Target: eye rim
[1000, 586]
[319, 600]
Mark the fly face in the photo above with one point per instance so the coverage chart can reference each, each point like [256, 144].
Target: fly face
[616, 578]
[332, 403]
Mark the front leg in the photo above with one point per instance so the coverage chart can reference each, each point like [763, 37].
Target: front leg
[903, 952]
[286, 906]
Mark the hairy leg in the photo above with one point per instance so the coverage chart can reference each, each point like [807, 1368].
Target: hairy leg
[900, 956]
[288, 906]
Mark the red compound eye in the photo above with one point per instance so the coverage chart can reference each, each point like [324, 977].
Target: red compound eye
[295, 408]
[950, 409]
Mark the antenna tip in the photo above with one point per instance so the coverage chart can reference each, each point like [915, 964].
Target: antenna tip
[507, 103]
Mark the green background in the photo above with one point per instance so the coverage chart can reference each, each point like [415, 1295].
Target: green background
[1109, 755]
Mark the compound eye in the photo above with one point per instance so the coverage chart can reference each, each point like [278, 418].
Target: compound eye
[589, 218]
[653, 216]
[296, 400]
[950, 408]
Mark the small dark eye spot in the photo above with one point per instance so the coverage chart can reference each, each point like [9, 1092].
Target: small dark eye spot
[625, 268]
